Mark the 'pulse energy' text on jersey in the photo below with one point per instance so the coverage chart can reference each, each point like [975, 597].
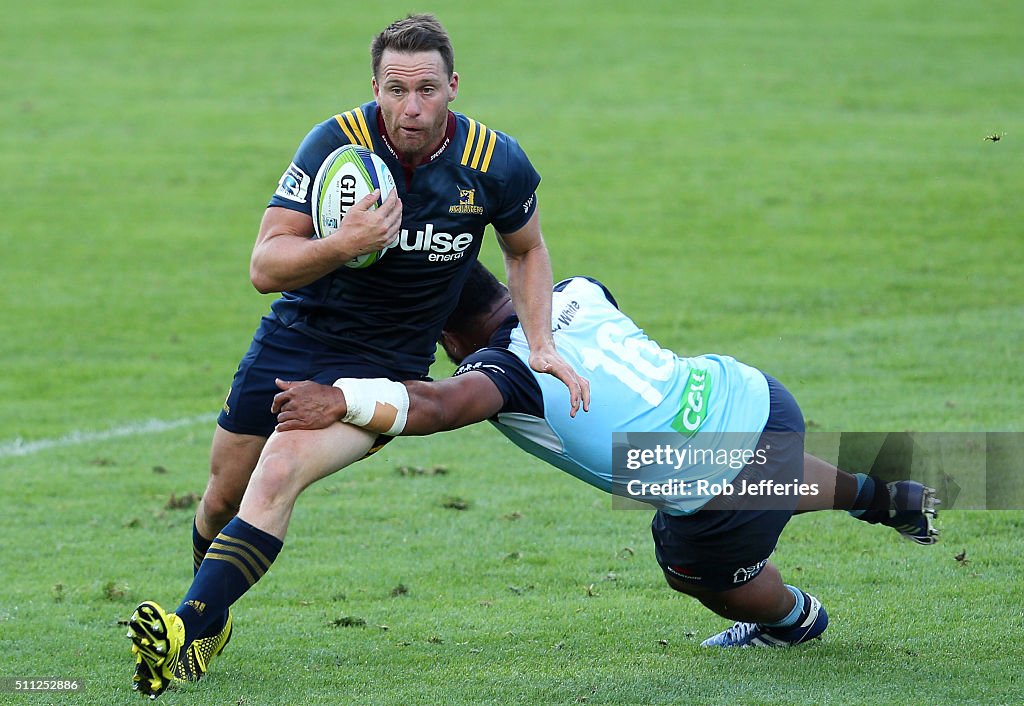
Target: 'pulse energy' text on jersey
[393, 310]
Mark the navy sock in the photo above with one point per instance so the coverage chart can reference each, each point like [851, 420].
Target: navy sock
[799, 612]
[865, 494]
[200, 545]
[872, 501]
[235, 561]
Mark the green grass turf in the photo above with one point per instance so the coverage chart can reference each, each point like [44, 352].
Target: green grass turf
[802, 185]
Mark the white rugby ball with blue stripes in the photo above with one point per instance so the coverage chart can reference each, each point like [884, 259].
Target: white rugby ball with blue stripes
[347, 176]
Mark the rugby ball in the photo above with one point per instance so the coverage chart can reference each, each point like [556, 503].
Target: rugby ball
[347, 175]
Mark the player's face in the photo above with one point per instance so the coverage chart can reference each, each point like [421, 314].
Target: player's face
[413, 92]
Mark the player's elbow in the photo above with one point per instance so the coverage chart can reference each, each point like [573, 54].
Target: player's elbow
[261, 279]
[262, 284]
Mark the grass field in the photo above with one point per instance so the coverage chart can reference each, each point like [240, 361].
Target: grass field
[804, 185]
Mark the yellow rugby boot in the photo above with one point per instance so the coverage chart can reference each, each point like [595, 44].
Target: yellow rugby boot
[157, 638]
[195, 659]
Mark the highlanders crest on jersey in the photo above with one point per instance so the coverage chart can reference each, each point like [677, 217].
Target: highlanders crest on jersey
[467, 203]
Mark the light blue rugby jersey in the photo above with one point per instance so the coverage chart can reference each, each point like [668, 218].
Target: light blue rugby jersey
[636, 386]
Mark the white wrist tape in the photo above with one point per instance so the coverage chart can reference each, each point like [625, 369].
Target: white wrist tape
[376, 404]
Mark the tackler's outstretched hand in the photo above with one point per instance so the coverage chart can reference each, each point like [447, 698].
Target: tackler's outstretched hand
[548, 360]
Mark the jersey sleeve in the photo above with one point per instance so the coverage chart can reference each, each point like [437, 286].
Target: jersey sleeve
[511, 376]
[294, 190]
[519, 198]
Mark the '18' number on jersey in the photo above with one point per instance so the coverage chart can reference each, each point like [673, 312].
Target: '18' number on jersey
[636, 362]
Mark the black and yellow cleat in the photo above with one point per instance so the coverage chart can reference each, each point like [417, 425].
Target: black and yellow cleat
[156, 638]
[195, 659]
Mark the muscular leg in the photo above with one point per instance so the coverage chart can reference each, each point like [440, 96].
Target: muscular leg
[242, 552]
[768, 613]
[232, 460]
[246, 547]
[763, 599]
[290, 463]
[836, 489]
[907, 506]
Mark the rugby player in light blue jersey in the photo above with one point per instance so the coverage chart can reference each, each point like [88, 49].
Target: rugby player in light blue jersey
[454, 177]
[712, 546]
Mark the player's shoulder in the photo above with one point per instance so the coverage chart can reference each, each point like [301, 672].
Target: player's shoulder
[586, 285]
[498, 354]
[481, 148]
[357, 126]
[354, 126]
[494, 359]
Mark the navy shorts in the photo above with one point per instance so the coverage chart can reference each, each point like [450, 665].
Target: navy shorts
[279, 352]
[726, 543]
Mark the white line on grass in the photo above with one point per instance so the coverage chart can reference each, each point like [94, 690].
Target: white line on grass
[20, 447]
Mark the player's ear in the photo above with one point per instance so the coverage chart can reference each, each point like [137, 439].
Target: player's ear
[453, 86]
[450, 342]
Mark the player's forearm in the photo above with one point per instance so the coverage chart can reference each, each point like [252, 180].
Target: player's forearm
[288, 262]
[529, 283]
[377, 405]
[427, 413]
[412, 408]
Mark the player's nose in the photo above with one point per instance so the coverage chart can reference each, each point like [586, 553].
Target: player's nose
[413, 107]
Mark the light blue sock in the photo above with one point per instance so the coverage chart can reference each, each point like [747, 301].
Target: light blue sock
[865, 493]
[794, 615]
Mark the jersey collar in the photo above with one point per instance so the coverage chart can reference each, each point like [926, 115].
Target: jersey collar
[449, 133]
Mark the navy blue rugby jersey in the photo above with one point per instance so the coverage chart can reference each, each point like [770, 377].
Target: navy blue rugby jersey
[393, 310]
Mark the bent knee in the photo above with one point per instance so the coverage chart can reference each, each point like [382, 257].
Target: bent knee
[224, 490]
[277, 476]
[219, 508]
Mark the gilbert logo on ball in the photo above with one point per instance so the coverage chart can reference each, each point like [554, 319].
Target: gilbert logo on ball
[348, 175]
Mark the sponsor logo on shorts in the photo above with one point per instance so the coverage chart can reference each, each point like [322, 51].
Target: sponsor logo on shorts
[684, 573]
[744, 574]
[294, 184]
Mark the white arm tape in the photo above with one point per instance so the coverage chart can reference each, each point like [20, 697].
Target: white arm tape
[376, 404]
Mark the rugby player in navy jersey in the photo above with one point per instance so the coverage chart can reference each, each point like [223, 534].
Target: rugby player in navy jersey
[711, 546]
[454, 176]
